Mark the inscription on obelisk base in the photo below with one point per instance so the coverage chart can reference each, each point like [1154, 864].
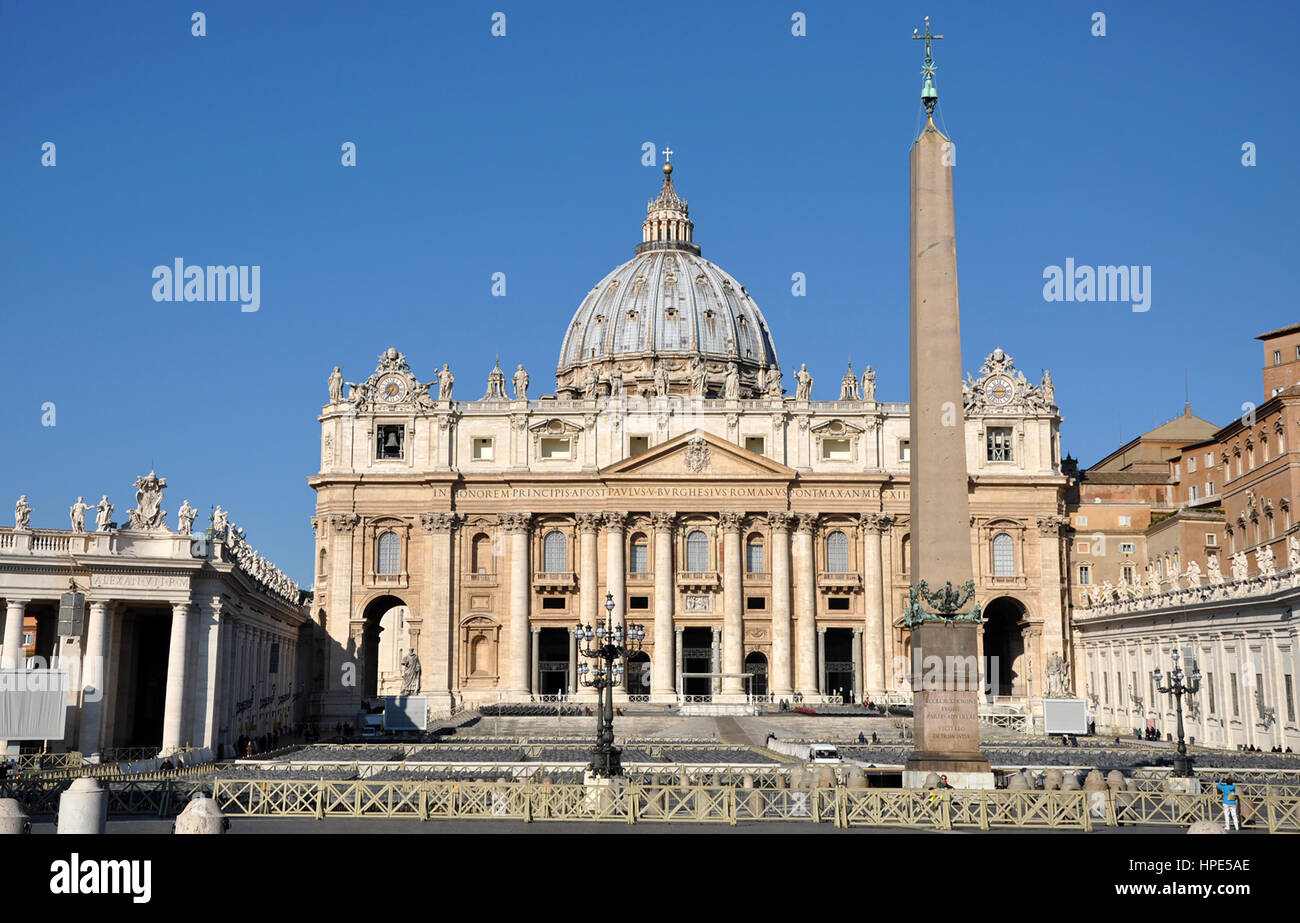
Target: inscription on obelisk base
[945, 702]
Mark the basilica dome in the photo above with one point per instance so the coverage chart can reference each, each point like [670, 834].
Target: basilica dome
[668, 321]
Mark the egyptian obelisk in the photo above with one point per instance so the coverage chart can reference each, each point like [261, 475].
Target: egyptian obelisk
[942, 621]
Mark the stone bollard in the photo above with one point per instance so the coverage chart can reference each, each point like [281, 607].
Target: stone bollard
[83, 808]
[1096, 788]
[1052, 780]
[799, 777]
[1115, 779]
[1205, 826]
[1094, 781]
[781, 782]
[1070, 782]
[1016, 782]
[857, 779]
[12, 818]
[824, 777]
[201, 816]
[931, 780]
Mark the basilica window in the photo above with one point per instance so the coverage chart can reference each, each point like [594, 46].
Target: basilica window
[481, 554]
[837, 449]
[390, 554]
[906, 549]
[322, 563]
[482, 449]
[554, 553]
[754, 444]
[697, 551]
[639, 559]
[637, 444]
[998, 443]
[1085, 574]
[754, 556]
[1004, 557]
[905, 450]
[837, 553]
[555, 448]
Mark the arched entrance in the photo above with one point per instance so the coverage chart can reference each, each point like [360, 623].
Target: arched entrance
[382, 646]
[756, 664]
[1004, 648]
[638, 673]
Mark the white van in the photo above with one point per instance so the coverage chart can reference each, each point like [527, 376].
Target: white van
[823, 753]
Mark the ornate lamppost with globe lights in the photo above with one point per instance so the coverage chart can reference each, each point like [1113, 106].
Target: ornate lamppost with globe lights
[1179, 685]
[608, 645]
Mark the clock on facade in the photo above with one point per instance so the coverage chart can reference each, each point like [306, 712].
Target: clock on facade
[999, 390]
[392, 389]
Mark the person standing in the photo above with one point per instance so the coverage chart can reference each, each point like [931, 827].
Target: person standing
[1228, 790]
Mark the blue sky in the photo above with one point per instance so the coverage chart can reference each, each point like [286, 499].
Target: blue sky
[522, 155]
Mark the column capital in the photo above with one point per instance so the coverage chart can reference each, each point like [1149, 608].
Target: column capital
[438, 521]
[876, 522]
[344, 522]
[663, 520]
[615, 521]
[516, 522]
[730, 520]
[16, 601]
[589, 522]
[183, 607]
[780, 520]
[805, 523]
[1051, 525]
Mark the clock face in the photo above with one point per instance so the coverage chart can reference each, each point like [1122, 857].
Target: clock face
[392, 389]
[999, 390]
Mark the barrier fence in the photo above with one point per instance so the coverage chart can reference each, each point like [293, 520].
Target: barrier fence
[634, 802]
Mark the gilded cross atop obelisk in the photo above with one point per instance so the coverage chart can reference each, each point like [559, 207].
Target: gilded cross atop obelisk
[929, 95]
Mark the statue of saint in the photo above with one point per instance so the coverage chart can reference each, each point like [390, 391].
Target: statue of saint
[22, 513]
[336, 386]
[616, 383]
[590, 383]
[1193, 575]
[698, 376]
[869, 384]
[1293, 554]
[410, 674]
[1265, 561]
[446, 381]
[103, 514]
[521, 384]
[220, 524]
[803, 382]
[773, 386]
[78, 514]
[1213, 572]
[1049, 389]
[661, 380]
[185, 518]
[1240, 568]
[731, 383]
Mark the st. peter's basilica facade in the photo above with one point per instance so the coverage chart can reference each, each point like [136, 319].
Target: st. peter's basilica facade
[760, 537]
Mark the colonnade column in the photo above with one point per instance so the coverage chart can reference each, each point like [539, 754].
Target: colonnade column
[12, 655]
[663, 676]
[572, 683]
[715, 634]
[733, 618]
[805, 577]
[174, 709]
[1049, 532]
[857, 664]
[781, 669]
[677, 658]
[873, 600]
[821, 660]
[94, 669]
[536, 658]
[517, 526]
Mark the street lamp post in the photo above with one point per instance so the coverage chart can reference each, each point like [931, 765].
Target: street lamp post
[1179, 685]
[609, 645]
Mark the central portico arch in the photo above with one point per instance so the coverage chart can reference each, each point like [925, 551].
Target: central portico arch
[382, 645]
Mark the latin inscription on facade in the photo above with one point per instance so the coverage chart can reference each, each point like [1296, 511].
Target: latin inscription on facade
[140, 581]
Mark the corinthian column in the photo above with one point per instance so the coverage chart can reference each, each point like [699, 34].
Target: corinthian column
[733, 619]
[1049, 543]
[589, 601]
[780, 670]
[616, 576]
[662, 676]
[174, 707]
[805, 612]
[517, 526]
[873, 588]
[438, 675]
[94, 671]
[12, 655]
